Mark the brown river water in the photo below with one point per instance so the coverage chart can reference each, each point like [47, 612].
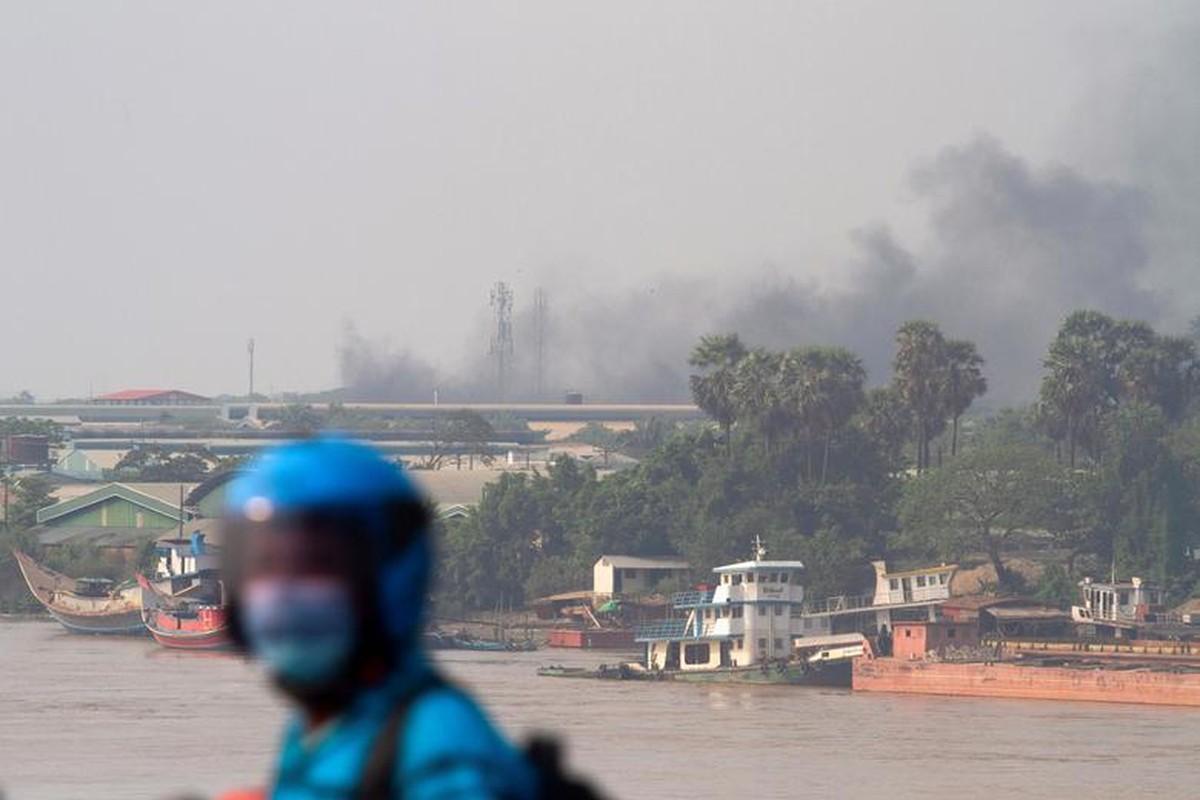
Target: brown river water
[91, 717]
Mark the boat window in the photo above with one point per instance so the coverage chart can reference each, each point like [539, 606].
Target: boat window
[771, 577]
[737, 612]
[1124, 598]
[631, 573]
[895, 584]
[696, 654]
[920, 580]
[749, 577]
[942, 579]
[737, 579]
[908, 633]
[783, 577]
[725, 578]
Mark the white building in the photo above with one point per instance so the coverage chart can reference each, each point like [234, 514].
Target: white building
[614, 575]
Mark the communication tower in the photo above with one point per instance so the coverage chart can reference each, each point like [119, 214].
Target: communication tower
[502, 340]
[539, 340]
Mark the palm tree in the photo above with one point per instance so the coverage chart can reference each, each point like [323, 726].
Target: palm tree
[759, 396]
[1079, 384]
[713, 389]
[823, 388]
[919, 367]
[964, 382]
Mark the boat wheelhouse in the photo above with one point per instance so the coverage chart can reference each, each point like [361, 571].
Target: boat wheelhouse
[1129, 608]
[752, 616]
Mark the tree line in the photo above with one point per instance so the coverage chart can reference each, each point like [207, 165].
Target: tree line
[1101, 473]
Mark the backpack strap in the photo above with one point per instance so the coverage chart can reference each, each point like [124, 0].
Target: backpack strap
[379, 774]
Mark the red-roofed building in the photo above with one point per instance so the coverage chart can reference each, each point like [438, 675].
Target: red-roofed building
[151, 397]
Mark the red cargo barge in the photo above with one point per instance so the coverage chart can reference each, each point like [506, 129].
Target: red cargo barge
[1143, 684]
[592, 638]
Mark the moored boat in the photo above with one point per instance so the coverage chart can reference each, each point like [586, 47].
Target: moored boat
[189, 626]
[84, 605]
[749, 628]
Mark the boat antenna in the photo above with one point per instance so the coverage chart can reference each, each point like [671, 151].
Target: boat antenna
[760, 550]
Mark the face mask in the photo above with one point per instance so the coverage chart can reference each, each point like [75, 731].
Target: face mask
[304, 630]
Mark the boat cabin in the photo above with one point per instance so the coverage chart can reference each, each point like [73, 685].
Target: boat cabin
[186, 556]
[916, 640]
[754, 613]
[912, 586]
[1119, 605]
[93, 587]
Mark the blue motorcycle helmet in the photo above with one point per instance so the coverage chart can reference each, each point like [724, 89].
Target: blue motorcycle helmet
[345, 490]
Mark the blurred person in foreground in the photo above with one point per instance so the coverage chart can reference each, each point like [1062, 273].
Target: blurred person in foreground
[328, 571]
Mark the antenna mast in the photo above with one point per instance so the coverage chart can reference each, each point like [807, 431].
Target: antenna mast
[539, 340]
[502, 341]
[250, 356]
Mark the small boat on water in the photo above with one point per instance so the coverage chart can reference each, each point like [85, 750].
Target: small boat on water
[84, 605]
[183, 623]
[189, 627]
[440, 640]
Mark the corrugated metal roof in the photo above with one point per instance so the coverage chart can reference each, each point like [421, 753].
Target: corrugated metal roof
[212, 529]
[644, 562]
[1027, 612]
[96, 537]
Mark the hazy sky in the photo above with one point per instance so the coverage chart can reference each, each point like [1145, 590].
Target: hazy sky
[175, 178]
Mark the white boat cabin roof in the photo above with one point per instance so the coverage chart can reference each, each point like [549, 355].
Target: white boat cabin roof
[756, 566]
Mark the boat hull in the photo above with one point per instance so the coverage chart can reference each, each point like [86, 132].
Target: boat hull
[832, 674]
[118, 613]
[205, 630]
[1142, 685]
[212, 640]
[127, 624]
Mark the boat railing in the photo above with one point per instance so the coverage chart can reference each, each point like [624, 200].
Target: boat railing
[692, 598]
[663, 629]
[840, 604]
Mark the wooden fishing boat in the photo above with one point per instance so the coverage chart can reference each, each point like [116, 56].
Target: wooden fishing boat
[189, 627]
[178, 622]
[84, 605]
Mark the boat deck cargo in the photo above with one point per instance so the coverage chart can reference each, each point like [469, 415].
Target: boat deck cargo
[591, 638]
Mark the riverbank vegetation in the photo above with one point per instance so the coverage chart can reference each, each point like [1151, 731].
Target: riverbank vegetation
[1101, 473]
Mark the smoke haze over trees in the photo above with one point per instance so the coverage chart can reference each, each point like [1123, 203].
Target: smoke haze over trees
[1014, 247]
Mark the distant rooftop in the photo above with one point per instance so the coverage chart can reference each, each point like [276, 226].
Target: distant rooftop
[644, 562]
[172, 397]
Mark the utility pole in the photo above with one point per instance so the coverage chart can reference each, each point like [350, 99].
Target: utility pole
[502, 341]
[539, 340]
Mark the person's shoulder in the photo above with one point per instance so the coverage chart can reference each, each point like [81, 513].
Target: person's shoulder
[451, 748]
[446, 717]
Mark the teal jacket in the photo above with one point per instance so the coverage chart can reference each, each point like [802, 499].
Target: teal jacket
[448, 750]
